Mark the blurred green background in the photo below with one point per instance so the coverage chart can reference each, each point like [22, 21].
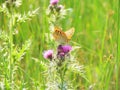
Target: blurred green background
[96, 25]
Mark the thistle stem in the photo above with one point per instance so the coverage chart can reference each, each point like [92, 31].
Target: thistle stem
[62, 79]
[62, 72]
[11, 49]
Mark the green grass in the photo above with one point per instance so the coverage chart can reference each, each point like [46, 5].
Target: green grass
[96, 32]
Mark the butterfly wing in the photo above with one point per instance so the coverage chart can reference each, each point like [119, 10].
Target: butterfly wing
[59, 35]
[70, 33]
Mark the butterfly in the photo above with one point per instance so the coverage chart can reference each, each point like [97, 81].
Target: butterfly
[61, 36]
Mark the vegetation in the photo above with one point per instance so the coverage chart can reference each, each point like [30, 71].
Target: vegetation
[26, 32]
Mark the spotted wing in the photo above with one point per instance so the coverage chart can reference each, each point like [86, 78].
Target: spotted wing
[59, 35]
[70, 33]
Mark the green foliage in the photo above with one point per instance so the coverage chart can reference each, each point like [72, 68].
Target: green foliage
[11, 54]
[96, 30]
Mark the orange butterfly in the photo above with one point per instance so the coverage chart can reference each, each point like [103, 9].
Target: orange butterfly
[61, 36]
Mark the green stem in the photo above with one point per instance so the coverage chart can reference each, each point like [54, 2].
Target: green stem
[11, 47]
[62, 79]
[62, 72]
[103, 40]
[117, 53]
[102, 49]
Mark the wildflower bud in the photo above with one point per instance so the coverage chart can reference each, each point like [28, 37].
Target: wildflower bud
[48, 54]
[50, 7]
[54, 2]
[61, 56]
[59, 8]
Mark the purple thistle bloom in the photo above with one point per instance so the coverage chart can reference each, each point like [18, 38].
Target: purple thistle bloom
[54, 2]
[48, 54]
[65, 49]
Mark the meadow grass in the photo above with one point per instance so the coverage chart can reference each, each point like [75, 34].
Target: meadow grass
[96, 24]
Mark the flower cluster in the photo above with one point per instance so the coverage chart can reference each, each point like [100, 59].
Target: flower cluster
[55, 12]
[60, 59]
[62, 52]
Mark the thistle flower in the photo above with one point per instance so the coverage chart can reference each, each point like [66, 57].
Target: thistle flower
[54, 2]
[65, 49]
[48, 54]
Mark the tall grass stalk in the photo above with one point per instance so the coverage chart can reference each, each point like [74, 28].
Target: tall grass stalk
[11, 63]
[13, 53]
[118, 48]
